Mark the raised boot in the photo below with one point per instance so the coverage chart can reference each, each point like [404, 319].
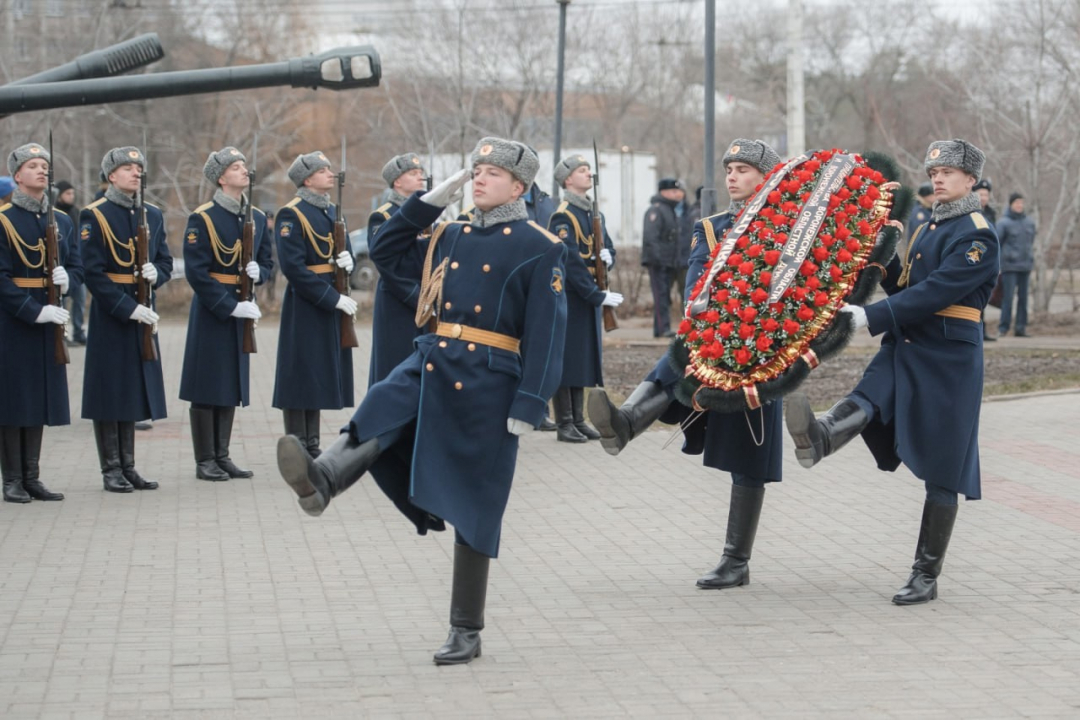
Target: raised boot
[107, 436]
[32, 466]
[11, 464]
[317, 480]
[742, 524]
[817, 438]
[934, 534]
[202, 439]
[126, 430]
[223, 425]
[564, 418]
[467, 599]
[577, 404]
[618, 426]
[311, 421]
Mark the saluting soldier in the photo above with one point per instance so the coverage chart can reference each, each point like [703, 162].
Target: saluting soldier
[313, 371]
[918, 401]
[748, 445]
[582, 366]
[215, 377]
[440, 433]
[392, 326]
[32, 383]
[119, 386]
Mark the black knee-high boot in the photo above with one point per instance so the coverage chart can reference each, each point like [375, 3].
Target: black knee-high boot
[619, 425]
[467, 600]
[742, 524]
[817, 438]
[311, 421]
[202, 441]
[107, 436]
[577, 403]
[32, 466]
[11, 464]
[126, 430]
[223, 425]
[317, 480]
[935, 531]
[564, 417]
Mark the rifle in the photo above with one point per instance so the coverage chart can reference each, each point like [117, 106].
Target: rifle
[610, 322]
[247, 253]
[341, 278]
[52, 260]
[144, 293]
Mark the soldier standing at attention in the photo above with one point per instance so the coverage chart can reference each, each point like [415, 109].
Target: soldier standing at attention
[119, 386]
[582, 366]
[918, 401]
[215, 377]
[392, 326]
[32, 383]
[313, 371]
[440, 432]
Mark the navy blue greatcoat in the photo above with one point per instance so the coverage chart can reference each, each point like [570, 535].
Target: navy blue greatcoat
[926, 380]
[216, 370]
[313, 371]
[748, 443]
[445, 408]
[583, 356]
[393, 326]
[33, 387]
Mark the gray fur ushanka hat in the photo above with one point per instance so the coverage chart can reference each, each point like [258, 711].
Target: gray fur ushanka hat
[399, 165]
[955, 153]
[568, 165]
[510, 155]
[305, 165]
[756, 153]
[20, 155]
[219, 162]
[127, 155]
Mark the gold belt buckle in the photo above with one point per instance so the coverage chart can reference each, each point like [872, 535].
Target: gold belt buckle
[456, 330]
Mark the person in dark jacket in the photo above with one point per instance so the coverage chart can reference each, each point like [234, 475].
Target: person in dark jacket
[983, 189]
[65, 202]
[1017, 234]
[660, 251]
[920, 213]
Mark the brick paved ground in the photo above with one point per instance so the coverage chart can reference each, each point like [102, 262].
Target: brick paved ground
[207, 600]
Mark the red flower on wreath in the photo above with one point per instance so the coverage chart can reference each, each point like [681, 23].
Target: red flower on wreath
[742, 356]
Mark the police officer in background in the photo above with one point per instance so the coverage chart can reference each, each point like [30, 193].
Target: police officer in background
[920, 213]
[313, 371]
[119, 386]
[918, 401]
[215, 376]
[582, 365]
[392, 326]
[440, 432]
[32, 383]
[660, 251]
[65, 202]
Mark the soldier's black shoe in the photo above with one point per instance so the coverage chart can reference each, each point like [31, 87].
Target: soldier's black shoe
[11, 464]
[14, 492]
[577, 404]
[202, 440]
[223, 425]
[818, 438]
[107, 436]
[564, 417]
[743, 515]
[126, 431]
[935, 532]
[467, 599]
[618, 426]
[318, 480]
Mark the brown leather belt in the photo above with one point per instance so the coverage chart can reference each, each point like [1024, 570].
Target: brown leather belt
[484, 337]
[29, 282]
[962, 312]
[321, 269]
[226, 279]
[121, 278]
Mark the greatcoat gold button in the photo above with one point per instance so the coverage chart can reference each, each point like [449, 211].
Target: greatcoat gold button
[506, 231]
[457, 386]
[448, 305]
[471, 346]
[487, 268]
[442, 344]
[454, 265]
[477, 308]
[430, 367]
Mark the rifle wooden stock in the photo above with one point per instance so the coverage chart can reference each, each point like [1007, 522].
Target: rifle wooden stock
[142, 287]
[52, 260]
[341, 284]
[610, 322]
[247, 285]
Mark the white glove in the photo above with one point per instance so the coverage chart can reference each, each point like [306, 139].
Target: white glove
[346, 305]
[149, 273]
[344, 260]
[60, 278]
[449, 190]
[144, 315]
[253, 271]
[52, 314]
[612, 299]
[605, 255]
[246, 310]
[518, 427]
[858, 315]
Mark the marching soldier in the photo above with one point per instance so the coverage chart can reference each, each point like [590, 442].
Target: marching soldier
[440, 432]
[215, 377]
[313, 371]
[748, 445]
[392, 326]
[582, 366]
[33, 384]
[119, 386]
[918, 401]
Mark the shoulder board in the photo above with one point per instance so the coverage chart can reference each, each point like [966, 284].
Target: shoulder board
[204, 207]
[562, 206]
[261, 212]
[384, 208]
[980, 220]
[292, 203]
[717, 215]
[95, 203]
[149, 204]
[550, 236]
[5, 207]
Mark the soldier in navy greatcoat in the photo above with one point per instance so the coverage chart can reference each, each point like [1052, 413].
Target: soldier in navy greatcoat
[582, 367]
[440, 432]
[313, 371]
[393, 326]
[33, 385]
[918, 401]
[119, 387]
[215, 376]
[748, 445]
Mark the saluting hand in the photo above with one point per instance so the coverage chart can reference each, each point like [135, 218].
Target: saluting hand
[60, 279]
[449, 190]
[253, 271]
[345, 261]
[149, 273]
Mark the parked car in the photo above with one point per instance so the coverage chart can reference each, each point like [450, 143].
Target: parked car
[364, 274]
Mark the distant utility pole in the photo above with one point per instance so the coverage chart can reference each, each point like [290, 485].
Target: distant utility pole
[708, 190]
[796, 115]
[557, 153]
